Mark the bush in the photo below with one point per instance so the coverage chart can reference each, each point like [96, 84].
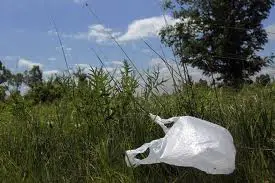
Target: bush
[46, 92]
[263, 79]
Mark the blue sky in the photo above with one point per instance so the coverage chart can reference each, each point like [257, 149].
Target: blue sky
[28, 37]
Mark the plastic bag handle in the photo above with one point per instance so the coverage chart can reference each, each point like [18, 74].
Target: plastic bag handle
[131, 159]
[162, 122]
[153, 156]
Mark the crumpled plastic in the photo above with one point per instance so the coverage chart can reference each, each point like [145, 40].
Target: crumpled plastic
[190, 142]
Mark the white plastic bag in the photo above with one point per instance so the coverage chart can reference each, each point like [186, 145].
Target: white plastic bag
[190, 142]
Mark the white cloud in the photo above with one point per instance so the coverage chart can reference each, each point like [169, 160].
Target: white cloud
[28, 64]
[168, 86]
[119, 63]
[157, 62]
[195, 73]
[50, 73]
[271, 32]
[144, 28]
[84, 67]
[97, 32]
[109, 69]
[113, 66]
[268, 70]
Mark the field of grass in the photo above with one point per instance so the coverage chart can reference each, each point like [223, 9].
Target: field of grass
[83, 136]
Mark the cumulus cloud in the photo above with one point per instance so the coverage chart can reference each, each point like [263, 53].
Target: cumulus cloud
[168, 86]
[109, 69]
[267, 70]
[97, 32]
[117, 63]
[141, 28]
[50, 73]
[28, 64]
[84, 67]
[195, 73]
[157, 62]
[147, 27]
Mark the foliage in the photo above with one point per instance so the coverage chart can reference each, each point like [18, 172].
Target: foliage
[82, 136]
[202, 82]
[153, 82]
[128, 80]
[34, 77]
[219, 36]
[47, 91]
[17, 80]
[2, 93]
[5, 74]
[263, 79]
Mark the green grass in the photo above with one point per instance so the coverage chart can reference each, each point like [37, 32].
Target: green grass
[83, 136]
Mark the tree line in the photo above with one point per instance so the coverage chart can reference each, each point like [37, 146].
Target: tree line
[55, 87]
[39, 89]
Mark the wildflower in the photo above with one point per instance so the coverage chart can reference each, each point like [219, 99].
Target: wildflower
[50, 124]
[77, 125]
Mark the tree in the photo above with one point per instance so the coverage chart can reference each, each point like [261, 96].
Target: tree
[46, 92]
[263, 79]
[17, 80]
[202, 82]
[5, 77]
[219, 36]
[34, 77]
[5, 74]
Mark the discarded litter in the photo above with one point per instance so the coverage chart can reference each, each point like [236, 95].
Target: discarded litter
[190, 142]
